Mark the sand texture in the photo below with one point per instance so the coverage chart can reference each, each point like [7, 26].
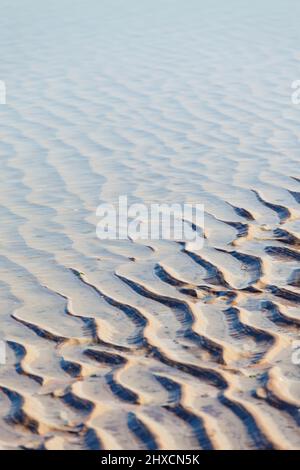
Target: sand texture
[146, 344]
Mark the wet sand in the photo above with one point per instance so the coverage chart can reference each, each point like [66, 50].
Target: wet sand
[146, 344]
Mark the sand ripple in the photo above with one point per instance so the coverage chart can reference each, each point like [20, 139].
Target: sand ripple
[120, 345]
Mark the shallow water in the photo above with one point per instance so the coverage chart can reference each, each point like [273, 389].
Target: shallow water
[125, 345]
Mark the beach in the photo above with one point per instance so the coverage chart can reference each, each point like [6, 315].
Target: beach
[149, 344]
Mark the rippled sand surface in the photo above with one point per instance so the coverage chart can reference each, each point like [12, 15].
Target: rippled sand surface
[122, 345]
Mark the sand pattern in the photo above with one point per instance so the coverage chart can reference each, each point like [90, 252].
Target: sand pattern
[128, 345]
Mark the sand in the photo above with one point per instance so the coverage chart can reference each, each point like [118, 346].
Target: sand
[146, 344]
